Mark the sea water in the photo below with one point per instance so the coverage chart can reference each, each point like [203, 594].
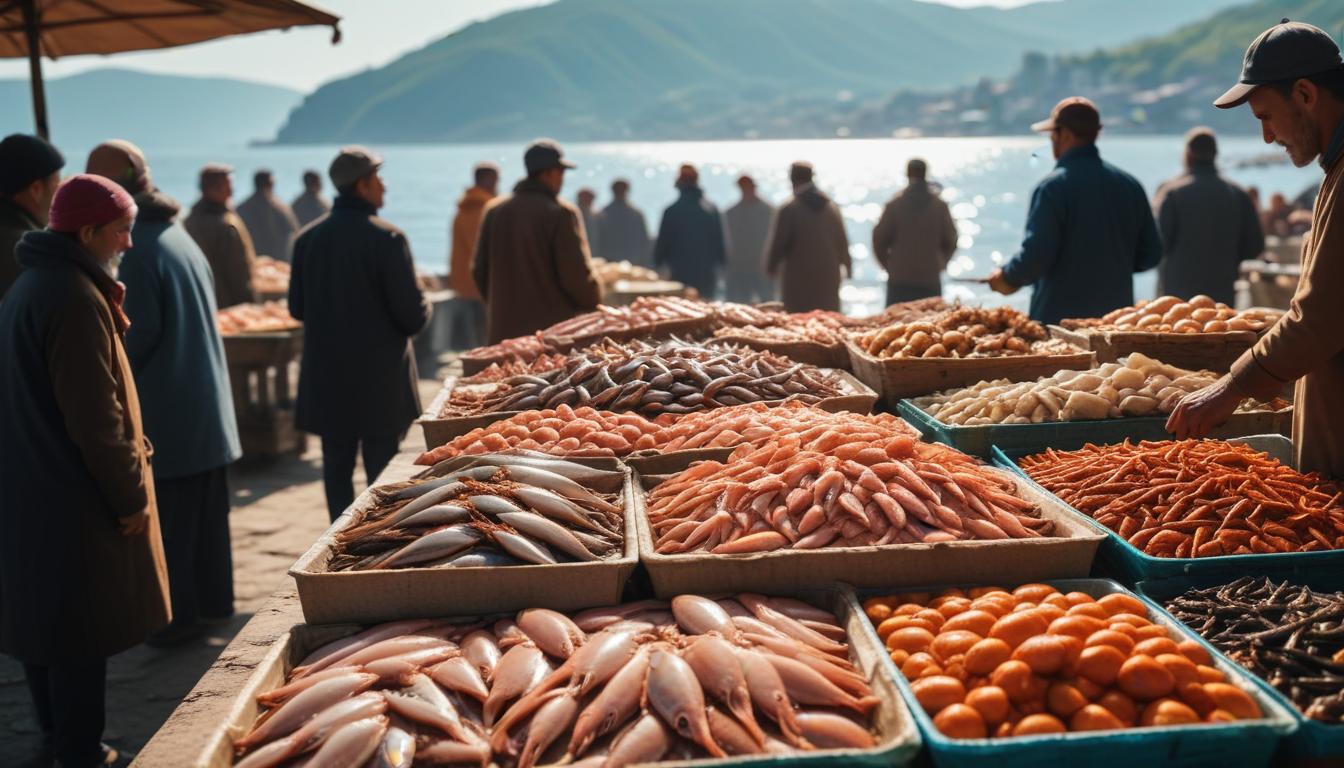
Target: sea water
[986, 181]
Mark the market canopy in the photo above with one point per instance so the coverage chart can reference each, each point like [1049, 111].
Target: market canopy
[55, 28]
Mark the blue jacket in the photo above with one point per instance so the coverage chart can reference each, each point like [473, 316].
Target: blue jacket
[1089, 229]
[690, 241]
[174, 346]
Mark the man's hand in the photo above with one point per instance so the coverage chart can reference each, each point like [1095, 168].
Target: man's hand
[999, 284]
[1199, 412]
[134, 525]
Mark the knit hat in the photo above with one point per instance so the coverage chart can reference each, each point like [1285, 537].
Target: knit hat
[88, 200]
[25, 159]
[122, 162]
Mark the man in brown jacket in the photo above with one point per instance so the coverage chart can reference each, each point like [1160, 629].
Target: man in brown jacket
[914, 239]
[807, 247]
[532, 260]
[223, 237]
[1293, 78]
[82, 573]
[466, 228]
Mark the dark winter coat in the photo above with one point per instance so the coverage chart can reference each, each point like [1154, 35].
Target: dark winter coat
[1209, 226]
[73, 460]
[174, 345]
[690, 242]
[808, 249]
[15, 222]
[353, 285]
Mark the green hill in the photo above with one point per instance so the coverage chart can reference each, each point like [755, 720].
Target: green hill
[591, 69]
[164, 111]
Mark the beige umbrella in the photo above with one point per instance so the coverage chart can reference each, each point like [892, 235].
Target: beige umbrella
[37, 28]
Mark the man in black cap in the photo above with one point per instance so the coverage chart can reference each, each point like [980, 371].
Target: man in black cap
[1089, 228]
[30, 171]
[532, 260]
[1293, 79]
[1208, 224]
[353, 285]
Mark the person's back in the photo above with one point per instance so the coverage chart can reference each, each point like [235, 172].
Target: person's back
[353, 286]
[1208, 225]
[223, 238]
[310, 205]
[808, 248]
[914, 239]
[622, 230]
[269, 221]
[747, 226]
[690, 238]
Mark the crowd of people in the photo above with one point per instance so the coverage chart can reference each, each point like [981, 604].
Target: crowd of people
[116, 406]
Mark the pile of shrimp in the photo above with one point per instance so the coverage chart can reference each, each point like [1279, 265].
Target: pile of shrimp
[612, 686]
[1195, 498]
[837, 486]
[587, 432]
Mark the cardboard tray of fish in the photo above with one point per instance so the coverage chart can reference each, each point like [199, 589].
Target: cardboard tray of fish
[474, 534]
[691, 682]
[674, 377]
[786, 515]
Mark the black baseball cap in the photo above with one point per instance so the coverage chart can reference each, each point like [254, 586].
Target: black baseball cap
[544, 155]
[1289, 50]
[25, 159]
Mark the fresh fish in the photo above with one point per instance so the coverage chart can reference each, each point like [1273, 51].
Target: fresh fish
[421, 700]
[558, 508]
[613, 705]
[294, 713]
[720, 674]
[552, 631]
[673, 692]
[645, 741]
[698, 615]
[446, 752]
[522, 547]
[437, 516]
[397, 646]
[770, 695]
[826, 730]
[396, 751]
[551, 720]
[554, 534]
[338, 650]
[520, 669]
[286, 692]
[480, 649]
[459, 674]
[438, 544]
[351, 745]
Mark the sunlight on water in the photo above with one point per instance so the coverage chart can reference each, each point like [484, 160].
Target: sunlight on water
[986, 181]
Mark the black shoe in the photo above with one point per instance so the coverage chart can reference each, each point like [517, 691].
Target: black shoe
[111, 757]
[175, 635]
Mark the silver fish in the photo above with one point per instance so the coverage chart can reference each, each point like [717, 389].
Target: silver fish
[552, 533]
[434, 545]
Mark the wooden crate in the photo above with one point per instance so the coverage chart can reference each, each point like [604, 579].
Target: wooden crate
[896, 378]
[263, 373]
[1193, 351]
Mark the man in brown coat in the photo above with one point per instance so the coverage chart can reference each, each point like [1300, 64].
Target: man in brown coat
[1293, 78]
[532, 260]
[223, 237]
[82, 573]
[914, 239]
[807, 247]
[466, 228]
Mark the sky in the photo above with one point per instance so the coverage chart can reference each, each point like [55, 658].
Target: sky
[374, 32]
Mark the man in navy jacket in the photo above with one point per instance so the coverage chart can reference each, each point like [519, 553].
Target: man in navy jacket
[1089, 228]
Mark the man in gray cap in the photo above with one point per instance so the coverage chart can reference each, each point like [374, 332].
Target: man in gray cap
[532, 260]
[1208, 224]
[270, 222]
[1089, 228]
[1293, 79]
[223, 237]
[353, 285]
[30, 172]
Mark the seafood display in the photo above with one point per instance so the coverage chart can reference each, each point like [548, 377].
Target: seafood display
[641, 315]
[497, 510]
[583, 431]
[1287, 635]
[822, 326]
[611, 272]
[633, 683]
[963, 332]
[270, 275]
[1169, 314]
[267, 317]
[988, 662]
[675, 377]
[1136, 385]
[836, 486]
[510, 368]
[520, 348]
[1195, 498]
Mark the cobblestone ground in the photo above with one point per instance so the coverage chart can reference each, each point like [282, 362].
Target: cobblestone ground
[278, 511]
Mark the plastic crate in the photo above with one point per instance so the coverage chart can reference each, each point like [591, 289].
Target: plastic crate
[1245, 743]
[1130, 565]
[1313, 740]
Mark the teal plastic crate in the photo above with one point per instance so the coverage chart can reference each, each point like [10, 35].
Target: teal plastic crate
[1071, 435]
[1313, 740]
[1129, 564]
[1247, 743]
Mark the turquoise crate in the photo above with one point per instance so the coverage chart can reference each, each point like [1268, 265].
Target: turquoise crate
[1131, 565]
[1245, 743]
[1313, 740]
[1071, 435]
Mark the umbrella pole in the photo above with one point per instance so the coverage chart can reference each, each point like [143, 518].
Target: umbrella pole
[30, 29]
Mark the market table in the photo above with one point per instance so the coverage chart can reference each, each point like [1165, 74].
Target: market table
[181, 739]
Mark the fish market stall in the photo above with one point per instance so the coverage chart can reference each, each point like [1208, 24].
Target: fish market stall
[262, 345]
